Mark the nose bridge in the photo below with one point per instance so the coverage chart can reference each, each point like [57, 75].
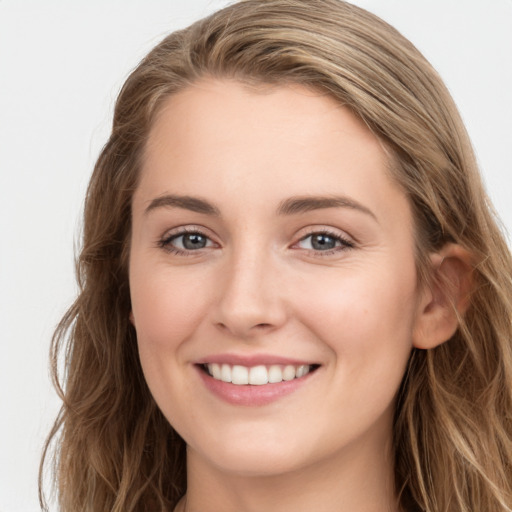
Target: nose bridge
[250, 300]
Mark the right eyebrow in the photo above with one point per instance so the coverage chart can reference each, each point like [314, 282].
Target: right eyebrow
[193, 204]
[301, 204]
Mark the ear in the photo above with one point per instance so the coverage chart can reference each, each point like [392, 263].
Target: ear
[445, 298]
[132, 318]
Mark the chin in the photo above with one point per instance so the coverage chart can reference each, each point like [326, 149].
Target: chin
[254, 456]
[256, 464]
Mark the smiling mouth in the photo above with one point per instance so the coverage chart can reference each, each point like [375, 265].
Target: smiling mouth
[257, 375]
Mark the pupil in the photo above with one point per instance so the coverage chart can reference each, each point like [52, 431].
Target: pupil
[323, 242]
[194, 241]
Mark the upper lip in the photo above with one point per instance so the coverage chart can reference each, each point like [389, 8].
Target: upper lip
[252, 360]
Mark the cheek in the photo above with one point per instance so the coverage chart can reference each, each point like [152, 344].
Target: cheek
[165, 299]
[166, 307]
[366, 318]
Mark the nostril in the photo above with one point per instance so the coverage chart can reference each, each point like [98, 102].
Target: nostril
[258, 327]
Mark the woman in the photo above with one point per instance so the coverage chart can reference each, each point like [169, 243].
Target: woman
[294, 295]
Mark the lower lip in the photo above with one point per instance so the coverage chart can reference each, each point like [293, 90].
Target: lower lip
[251, 395]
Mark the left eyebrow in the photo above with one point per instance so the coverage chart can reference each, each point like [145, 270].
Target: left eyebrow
[194, 204]
[302, 204]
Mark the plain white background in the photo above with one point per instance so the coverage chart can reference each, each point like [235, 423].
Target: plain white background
[61, 66]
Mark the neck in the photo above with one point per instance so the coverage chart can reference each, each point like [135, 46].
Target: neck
[357, 480]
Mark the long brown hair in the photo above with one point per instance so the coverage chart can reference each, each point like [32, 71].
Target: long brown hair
[113, 449]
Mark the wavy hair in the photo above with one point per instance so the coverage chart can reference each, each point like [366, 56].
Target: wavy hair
[110, 448]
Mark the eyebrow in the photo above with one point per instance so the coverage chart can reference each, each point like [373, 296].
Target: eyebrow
[290, 206]
[194, 204]
[295, 205]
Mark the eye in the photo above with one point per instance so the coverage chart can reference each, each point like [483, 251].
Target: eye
[324, 241]
[185, 242]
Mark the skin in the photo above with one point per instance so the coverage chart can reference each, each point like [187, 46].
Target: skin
[260, 287]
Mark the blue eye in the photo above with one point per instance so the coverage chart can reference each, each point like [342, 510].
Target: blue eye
[185, 242]
[319, 242]
[190, 241]
[323, 242]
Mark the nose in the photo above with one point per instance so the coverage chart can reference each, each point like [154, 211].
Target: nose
[251, 296]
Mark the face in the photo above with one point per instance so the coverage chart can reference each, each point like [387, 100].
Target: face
[271, 248]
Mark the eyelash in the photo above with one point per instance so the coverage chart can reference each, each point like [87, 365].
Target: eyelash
[345, 244]
[166, 242]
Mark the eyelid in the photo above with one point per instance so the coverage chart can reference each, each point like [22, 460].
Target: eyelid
[164, 242]
[184, 229]
[347, 242]
[322, 228]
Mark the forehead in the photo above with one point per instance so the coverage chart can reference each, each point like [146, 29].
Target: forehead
[255, 105]
[225, 138]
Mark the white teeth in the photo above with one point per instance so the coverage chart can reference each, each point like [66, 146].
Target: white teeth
[289, 372]
[215, 371]
[301, 370]
[256, 375]
[275, 374]
[239, 374]
[225, 373]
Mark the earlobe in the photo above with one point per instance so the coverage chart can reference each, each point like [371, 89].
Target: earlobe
[445, 299]
[132, 318]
